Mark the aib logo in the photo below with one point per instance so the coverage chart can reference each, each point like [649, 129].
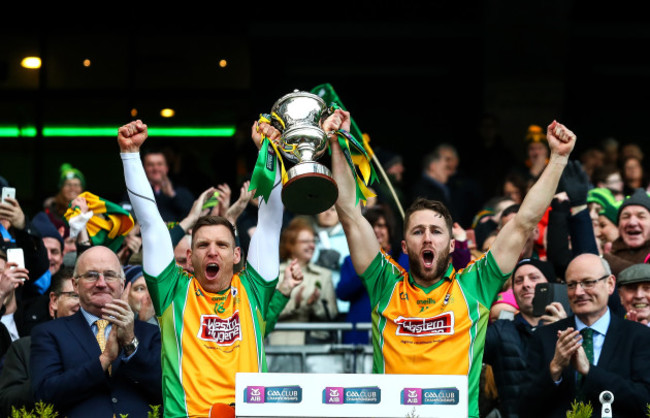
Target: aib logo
[254, 394]
[412, 396]
[333, 395]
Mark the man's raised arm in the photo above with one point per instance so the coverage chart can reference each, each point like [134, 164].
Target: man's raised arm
[510, 242]
[264, 248]
[156, 243]
[358, 231]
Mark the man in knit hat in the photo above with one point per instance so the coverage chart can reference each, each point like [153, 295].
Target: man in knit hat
[506, 341]
[634, 291]
[633, 245]
[139, 298]
[53, 242]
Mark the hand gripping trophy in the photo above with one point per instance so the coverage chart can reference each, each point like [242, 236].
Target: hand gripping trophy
[308, 187]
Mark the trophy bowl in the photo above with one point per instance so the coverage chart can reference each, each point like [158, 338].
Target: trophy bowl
[309, 188]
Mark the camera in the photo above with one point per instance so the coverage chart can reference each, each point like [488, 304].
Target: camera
[606, 398]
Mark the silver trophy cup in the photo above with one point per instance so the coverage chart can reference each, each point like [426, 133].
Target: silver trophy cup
[310, 188]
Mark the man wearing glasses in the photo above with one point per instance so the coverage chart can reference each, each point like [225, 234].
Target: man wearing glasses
[99, 361]
[590, 352]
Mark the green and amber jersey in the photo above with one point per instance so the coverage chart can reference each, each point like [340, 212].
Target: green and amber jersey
[208, 337]
[435, 330]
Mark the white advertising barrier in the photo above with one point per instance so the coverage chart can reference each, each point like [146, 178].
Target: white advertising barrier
[350, 395]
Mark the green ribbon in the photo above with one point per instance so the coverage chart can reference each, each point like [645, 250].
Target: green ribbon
[326, 92]
[263, 176]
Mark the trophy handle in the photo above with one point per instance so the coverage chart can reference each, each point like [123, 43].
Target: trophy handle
[327, 113]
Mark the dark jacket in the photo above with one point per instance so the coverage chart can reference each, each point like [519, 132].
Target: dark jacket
[506, 343]
[621, 256]
[623, 368]
[66, 371]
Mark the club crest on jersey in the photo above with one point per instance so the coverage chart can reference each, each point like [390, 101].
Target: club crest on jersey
[442, 324]
[221, 331]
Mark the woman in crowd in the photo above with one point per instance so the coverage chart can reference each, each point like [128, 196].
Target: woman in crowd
[314, 298]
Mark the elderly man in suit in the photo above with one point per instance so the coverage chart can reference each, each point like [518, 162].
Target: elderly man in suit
[590, 352]
[99, 361]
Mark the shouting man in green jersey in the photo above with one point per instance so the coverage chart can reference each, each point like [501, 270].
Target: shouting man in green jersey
[212, 322]
[433, 319]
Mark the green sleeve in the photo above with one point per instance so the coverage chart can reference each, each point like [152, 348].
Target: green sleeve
[163, 288]
[277, 304]
[258, 289]
[380, 276]
[484, 278]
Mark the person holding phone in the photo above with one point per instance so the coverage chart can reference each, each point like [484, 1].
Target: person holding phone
[506, 341]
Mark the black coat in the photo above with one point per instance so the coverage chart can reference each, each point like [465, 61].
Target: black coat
[623, 369]
[506, 343]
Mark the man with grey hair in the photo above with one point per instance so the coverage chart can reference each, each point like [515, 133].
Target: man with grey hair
[99, 361]
[590, 352]
[634, 291]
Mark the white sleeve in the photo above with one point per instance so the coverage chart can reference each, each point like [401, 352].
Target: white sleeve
[157, 250]
[264, 248]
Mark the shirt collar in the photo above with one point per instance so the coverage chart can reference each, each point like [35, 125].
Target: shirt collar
[599, 326]
[447, 277]
[90, 318]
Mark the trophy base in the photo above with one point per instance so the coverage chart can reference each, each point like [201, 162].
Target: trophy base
[310, 189]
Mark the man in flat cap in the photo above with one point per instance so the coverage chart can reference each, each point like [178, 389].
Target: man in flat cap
[634, 290]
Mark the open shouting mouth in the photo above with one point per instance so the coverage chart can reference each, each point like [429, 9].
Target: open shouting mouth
[427, 258]
[211, 270]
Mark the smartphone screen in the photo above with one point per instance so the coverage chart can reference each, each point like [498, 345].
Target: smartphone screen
[15, 255]
[8, 192]
[543, 297]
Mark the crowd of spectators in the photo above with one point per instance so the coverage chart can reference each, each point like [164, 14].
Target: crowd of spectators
[599, 219]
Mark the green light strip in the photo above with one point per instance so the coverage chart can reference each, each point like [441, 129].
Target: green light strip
[100, 131]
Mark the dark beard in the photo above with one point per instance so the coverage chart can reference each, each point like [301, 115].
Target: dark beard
[440, 268]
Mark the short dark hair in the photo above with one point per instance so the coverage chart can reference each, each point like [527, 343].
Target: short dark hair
[510, 210]
[432, 205]
[374, 213]
[65, 273]
[600, 174]
[152, 151]
[211, 220]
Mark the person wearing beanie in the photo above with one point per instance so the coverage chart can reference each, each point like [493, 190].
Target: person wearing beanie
[603, 210]
[633, 220]
[507, 341]
[139, 298]
[71, 183]
[51, 239]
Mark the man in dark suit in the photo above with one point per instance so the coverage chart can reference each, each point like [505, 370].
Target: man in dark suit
[566, 364]
[15, 382]
[99, 361]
